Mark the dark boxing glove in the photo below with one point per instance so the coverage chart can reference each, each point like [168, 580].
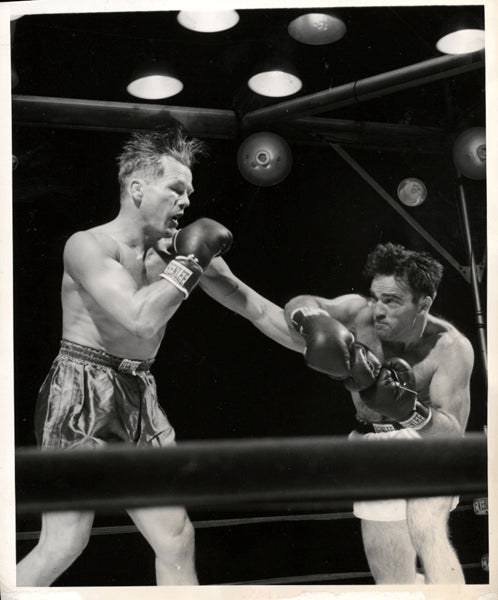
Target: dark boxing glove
[328, 342]
[365, 368]
[193, 248]
[394, 395]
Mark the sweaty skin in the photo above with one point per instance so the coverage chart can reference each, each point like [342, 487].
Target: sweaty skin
[391, 324]
[113, 299]
[112, 296]
[395, 324]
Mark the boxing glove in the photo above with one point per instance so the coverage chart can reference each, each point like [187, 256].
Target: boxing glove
[365, 368]
[328, 342]
[193, 248]
[394, 395]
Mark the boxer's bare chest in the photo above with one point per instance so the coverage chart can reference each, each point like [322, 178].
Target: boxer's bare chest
[421, 356]
[145, 268]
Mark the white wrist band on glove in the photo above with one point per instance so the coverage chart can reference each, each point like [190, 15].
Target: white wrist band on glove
[419, 418]
[181, 276]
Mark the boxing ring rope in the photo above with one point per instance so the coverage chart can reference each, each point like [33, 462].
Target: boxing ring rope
[100, 530]
[249, 473]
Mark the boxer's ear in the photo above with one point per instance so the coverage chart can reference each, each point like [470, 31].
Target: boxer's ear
[136, 191]
[424, 304]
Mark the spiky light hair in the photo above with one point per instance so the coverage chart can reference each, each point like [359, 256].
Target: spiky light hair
[143, 151]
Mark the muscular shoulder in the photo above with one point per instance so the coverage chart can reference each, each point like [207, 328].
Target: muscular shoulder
[449, 344]
[349, 309]
[84, 250]
[81, 243]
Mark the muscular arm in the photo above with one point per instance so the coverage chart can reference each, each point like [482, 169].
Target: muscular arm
[222, 285]
[143, 311]
[450, 388]
[343, 308]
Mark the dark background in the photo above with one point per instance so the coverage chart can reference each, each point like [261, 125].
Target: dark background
[219, 377]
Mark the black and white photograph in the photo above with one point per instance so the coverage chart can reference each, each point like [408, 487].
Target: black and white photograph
[248, 337]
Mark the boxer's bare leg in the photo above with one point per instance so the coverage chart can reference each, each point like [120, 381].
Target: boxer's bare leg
[63, 537]
[171, 535]
[427, 520]
[389, 551]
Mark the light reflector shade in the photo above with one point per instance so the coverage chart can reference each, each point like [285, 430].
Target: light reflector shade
[275, 83]
[469, 153]
[264, 158]
[412, 191]
[208, 21]
[154, 87]
[316, 29]
[462, 41]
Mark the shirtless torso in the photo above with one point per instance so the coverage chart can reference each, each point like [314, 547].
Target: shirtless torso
[395, 323]
[85, 320]
[439, 345]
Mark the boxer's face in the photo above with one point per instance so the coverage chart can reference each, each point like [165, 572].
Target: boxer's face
[164, 198]
[394, 310]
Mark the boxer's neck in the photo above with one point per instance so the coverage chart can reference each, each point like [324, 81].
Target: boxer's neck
[410, 339]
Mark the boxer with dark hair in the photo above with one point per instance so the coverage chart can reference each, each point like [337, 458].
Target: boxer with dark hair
[122, 283]
[409, 376]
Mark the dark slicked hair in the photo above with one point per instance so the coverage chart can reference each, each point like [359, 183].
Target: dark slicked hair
[143, 151]
[419, 270]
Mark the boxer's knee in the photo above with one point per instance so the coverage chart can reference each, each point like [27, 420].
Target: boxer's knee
[180, 541]
[64, 536]
[169, 532]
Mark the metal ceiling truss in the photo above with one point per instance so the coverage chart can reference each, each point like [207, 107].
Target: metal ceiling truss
[294, 119]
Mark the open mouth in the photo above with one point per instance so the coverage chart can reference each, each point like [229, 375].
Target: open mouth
[173, 221]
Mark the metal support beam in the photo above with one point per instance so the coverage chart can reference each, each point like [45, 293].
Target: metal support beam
[120, 116]
[366, 89]
[365, 134]
[474, 279]
[400, 210]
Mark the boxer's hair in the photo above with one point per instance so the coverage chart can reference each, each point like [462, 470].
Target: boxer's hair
[419, 270]
[143, 151]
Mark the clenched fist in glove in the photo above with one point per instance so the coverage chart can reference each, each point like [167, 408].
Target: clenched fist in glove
[365, 368]
[394, 395]
[193, 248]
[328, 342]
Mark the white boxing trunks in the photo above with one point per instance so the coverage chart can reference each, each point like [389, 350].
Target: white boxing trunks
[392, 509]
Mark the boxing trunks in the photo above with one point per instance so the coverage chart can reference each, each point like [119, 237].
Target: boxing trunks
[90, 398]
[392, 509]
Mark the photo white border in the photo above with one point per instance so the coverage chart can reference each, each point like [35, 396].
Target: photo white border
[315, 592]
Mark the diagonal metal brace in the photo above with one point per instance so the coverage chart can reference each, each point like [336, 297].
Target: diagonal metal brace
[404, 213]
[480, 268]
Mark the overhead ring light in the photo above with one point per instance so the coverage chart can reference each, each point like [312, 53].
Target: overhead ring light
[412, 191]
[208, 21]
[316, 29]
[153, 81]
[275, 83]
[461, 35]
[469, 153]
[275, 77]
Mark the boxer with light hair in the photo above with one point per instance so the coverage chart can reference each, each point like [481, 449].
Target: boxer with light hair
[409, 376]
[122, 283]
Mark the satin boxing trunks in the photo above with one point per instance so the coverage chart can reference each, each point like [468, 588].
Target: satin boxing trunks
[90, 399]
[392, 509]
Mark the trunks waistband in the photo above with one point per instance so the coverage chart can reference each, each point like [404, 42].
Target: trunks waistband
[362, 427]
[99, 357]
